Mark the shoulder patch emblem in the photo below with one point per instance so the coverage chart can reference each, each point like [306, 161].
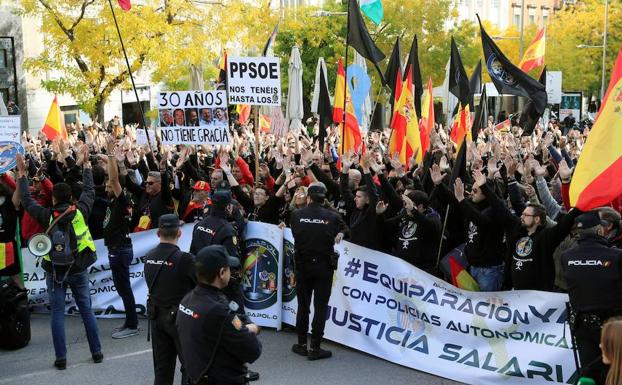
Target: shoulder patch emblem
[235, 240]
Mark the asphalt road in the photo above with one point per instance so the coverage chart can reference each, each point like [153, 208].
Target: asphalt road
[129, 361]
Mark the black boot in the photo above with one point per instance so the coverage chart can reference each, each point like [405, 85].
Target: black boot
[60, 363]
[316, 353]
[300, 349]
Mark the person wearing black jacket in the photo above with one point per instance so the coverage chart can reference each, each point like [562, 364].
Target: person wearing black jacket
[60, 277]
[364, 222]
[215, 340]
[116, 233]
[169, 274]
[416, 231]
[484, 248]
[154, 198]
[593, 271]
[530, 264]
[316, 229]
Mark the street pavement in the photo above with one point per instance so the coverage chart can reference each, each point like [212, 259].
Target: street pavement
[129, 361]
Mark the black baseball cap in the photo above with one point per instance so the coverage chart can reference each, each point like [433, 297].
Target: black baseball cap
[221, 197]
[588, 220]
[214, 257]
[168, 221]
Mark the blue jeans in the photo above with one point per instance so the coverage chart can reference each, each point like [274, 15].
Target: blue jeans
[489, 278]
[120, 259]
[79, 285]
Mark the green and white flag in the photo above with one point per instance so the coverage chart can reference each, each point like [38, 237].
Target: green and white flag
[373, 9]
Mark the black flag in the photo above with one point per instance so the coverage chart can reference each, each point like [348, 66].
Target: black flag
[459, 170]
[324, 108]
[359, 39]
[394, 70]
[481, 116]
[458, 80]
[475, 83]
[508, 78]
[529, 116]
[413, 61]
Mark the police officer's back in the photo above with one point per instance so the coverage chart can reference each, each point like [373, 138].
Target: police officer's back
[593, 271]
[214, 340]
[169, 274]
[215, 228]
[314, 228]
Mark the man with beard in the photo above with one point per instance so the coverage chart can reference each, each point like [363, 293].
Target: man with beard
[117, 239]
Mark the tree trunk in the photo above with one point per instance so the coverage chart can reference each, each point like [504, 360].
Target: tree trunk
[99, 112]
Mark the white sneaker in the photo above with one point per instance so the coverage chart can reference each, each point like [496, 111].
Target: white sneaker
[124, 333]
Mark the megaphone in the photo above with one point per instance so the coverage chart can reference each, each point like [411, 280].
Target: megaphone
[40, 245]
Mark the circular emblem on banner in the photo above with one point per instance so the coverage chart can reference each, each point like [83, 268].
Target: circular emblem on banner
[8, 152]
[289, 272]
[259, 275]
[497, 71]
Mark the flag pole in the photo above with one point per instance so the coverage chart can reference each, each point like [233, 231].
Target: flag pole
[345, 80]
[129, 70]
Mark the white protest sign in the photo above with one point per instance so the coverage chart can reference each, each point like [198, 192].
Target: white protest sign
[554, 86]
[254, 80]
[141, 137]
[10, 128]
[193, 117]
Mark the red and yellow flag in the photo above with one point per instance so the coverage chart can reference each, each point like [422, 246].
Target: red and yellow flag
[7, 255]
[349, 132]
[264, 123]
[55, 122]
[534, 55]
[426, 124]
[596, 179]
[461, 128]
[244, 112]
[405, 137]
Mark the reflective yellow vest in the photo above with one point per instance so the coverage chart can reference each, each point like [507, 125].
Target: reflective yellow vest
[83, 235]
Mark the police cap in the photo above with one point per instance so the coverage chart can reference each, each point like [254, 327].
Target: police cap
[317, 189]
[221, 197]
[588, 220]
[212, 258]
[168, 221]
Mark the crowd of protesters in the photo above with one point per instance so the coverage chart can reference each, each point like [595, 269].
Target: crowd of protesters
[506, 212]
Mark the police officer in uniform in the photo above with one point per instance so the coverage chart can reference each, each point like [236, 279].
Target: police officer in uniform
[593, 271]
[169, 274]
[315, 229]
[216, 342]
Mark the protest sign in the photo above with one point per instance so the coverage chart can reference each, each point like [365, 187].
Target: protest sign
[8, 151]
[254, 80]
[10, 128]
[554, 86]
[141, 137]
[193, 117]
[571, 104]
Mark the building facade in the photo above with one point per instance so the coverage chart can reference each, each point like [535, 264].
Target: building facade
[504, 14]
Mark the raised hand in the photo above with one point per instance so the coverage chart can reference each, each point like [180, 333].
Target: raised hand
[479, 179]
[381, 207]
[436, 175]
[459, 190]
[565, 172]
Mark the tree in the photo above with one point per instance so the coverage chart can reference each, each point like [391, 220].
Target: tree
[581, 68]
[162, 38]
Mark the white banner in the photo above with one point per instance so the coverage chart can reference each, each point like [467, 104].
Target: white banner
[10, 128]
[141, 137]
[193, 117]
[290, 301]
[105, 301]
[254, 80]
[262, 274]
[386, 307]
[380, 305]
[554, 87]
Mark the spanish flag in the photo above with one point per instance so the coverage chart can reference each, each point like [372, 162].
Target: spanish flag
[426, 124]
[55, 122]
[596, 179]
[461, 129]
[405, 124]
[264, 123]
[534, 55]
[349, 132]
[244, 112]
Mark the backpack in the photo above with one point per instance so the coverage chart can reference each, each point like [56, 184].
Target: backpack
[63, 237]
